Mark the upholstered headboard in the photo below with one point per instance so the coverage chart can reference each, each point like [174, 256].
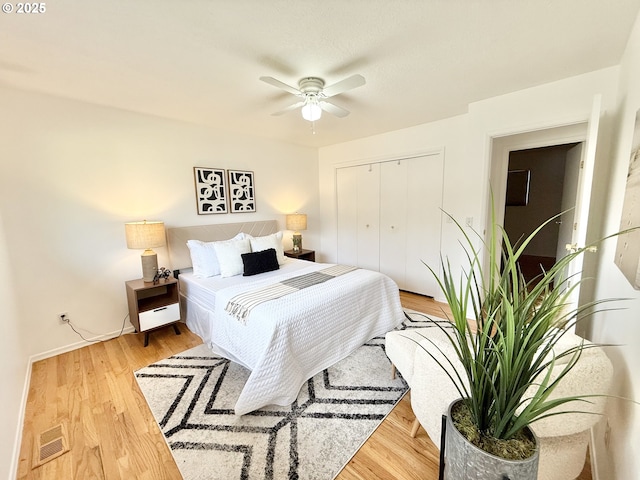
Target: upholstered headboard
[177, 237]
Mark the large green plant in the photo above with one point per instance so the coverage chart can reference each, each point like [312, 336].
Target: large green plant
[508, 346]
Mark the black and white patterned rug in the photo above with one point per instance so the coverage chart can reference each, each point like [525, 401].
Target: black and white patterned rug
[192, 396]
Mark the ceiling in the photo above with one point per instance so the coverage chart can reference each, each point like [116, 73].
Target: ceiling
[200, 60]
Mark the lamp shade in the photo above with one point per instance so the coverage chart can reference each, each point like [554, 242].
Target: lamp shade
[144, 235]
[297, 222]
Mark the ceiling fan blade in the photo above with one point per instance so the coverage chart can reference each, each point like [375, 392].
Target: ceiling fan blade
[288, 109]
[343, 85]
[333, 109]
[278, 84]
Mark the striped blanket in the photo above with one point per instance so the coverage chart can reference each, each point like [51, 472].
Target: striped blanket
[241, 305]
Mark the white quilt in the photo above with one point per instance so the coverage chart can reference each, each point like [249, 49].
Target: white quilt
[288, 340]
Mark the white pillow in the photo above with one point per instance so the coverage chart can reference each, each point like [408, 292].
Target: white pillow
[229, 256]
[203, 257]
[268, 241]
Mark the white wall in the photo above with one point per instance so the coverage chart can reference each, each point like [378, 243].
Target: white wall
[14, 361]
[71, 175]
[621, 460]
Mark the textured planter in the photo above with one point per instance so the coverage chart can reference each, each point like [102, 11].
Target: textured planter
[463, 460]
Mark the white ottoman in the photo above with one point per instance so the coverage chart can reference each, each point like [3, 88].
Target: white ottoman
[400, 346]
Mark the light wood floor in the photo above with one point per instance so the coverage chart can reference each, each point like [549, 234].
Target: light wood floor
[112, 434]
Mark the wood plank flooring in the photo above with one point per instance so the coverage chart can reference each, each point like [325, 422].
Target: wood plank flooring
[113, 435]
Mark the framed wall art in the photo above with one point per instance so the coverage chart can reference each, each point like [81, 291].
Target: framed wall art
[211, 190]
[518, 188]
[628, 248]
[242, 191]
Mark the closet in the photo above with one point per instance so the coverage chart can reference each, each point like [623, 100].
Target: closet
[389, 219]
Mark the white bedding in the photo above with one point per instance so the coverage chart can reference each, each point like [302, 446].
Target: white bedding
[288, 340]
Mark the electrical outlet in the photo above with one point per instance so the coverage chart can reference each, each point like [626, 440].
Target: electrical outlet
[469, 221]
[63, 317]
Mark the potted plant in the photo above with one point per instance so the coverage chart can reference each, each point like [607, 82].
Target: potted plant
[506, 349]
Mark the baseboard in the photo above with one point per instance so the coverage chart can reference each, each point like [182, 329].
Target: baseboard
[13, 469]
[440, 298]
[82, 343]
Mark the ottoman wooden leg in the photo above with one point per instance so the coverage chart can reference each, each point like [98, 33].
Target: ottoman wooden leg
[414, 428]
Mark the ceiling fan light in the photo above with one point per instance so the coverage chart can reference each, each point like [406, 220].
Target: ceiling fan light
[311, 112]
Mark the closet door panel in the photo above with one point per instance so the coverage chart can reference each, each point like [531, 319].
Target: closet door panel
[347, 201]
[368, 208]
[393, 220]
[390, 219]
[425, 178]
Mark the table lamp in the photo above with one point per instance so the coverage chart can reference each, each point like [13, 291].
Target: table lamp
[146, 235]
[297, 222]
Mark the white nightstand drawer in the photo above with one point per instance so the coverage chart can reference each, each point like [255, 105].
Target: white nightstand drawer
[159, 316]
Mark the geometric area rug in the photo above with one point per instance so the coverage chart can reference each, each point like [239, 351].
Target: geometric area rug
[192, 395]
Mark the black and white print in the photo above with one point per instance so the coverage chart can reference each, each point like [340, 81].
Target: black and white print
[242, 191]
[211, 190]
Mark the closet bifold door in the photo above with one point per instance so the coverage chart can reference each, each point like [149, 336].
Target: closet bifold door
[425, 177]
[368, 225]
[347, 215]
[358, 200]
[393, 220]
[390, 219]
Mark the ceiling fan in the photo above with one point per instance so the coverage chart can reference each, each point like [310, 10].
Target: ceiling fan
[313, 95]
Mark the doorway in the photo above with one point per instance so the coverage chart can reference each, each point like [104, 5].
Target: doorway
[532, 144]
[536, 191]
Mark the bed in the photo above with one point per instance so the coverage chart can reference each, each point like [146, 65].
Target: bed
[283, 340]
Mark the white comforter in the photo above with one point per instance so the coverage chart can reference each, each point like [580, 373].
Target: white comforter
[288, 340]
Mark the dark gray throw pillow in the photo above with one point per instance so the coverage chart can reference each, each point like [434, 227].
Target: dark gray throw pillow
[259, 262]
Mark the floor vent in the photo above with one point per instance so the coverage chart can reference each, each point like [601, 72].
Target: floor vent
[50, 444]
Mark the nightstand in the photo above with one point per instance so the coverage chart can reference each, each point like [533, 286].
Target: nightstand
[303, 254]
[153, 306]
